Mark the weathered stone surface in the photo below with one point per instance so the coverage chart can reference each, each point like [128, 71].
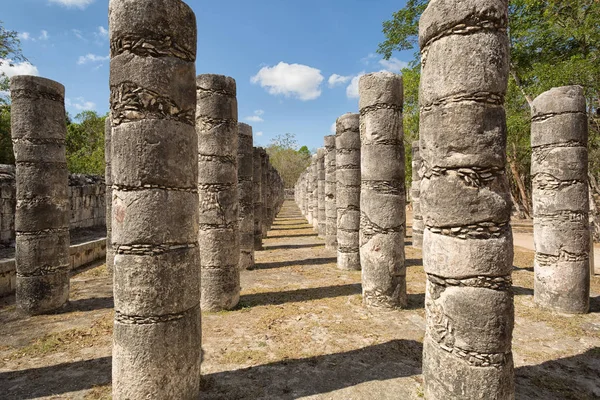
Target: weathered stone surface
[465, 200]
[218, 236]
[157, 335]
[245, 189]
[382, 195]
[347, 144]
[110, 252]
[321, 215]
[415, 194]
[264, 170]
[315, 191]
[330, 192]
[38, 133]
[257, 196]
[559, 163]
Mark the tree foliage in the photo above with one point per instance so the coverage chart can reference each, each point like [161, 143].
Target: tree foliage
[287, 159]
[552, 42]
[85, 143]
[10, 52]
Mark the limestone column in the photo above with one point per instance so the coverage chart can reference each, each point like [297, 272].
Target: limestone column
[465, 200]
[559, 168]
[219, 235]
[322, 222]
[110, 253]
[415, 194]
[383, 193]
[157, 335]
[310, 189]
[38, 133]
[264, 169]
[330, 205]
[257, 196]
[347, 190]
[315, 192]
[246, 196]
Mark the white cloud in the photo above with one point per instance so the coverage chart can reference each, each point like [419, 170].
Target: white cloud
[91, 58]
[259, 134]
[290, 80]
[78, 34]
[80, 104]
[352, 89]
[256, 117]
[368, 59]
[393, 64]
[102, 32]
[72, 3]
[335, 80]
[23, 68]
[332, 129]
[44, 35]
[24, 36]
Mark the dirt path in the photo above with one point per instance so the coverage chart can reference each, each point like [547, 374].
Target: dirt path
[300, 332]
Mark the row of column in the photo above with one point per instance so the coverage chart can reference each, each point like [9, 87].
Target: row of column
[354, 193]
[461, 199]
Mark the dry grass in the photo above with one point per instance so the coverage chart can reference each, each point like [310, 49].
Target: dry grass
[68, 341]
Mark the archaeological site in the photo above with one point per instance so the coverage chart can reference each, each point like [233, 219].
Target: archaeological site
[189, 212]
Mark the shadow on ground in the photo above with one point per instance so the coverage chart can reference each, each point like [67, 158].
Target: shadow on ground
[291, 379]
[290, 263]
[55, 379]
[298, 295]
[294, 246]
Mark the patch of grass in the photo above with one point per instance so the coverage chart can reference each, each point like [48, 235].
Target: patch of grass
[244, 357]
[103, 392]
[69, 340]
[100, 271]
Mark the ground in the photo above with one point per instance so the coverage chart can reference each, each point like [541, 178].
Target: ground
[300, 331]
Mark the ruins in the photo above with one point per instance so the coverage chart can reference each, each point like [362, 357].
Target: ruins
[347, 190]
[246, 191]
[157, 335]
[382, 190]
[559, 170]
[213, 257]
[257, 197]
[38, 132]
[330, 203]
[219, 235]
[415, 194]
[465, 201]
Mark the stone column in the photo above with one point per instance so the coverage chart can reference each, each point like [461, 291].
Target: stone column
[246, 196]
[110, 252]
[264, 169]
[383, 193]
[322, 222]
[257, 195]
[310, 189]
[219, 235]
[559, 168]
[465, 200]
[415, 194]
[347, 190]
[315, 192]
[38, 132]
[157, 335]
[330, 205]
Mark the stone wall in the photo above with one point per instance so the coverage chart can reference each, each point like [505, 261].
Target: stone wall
[86, 193]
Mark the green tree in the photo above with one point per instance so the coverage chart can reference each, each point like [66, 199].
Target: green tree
[85, 143]
[10, 52]
[287, 159]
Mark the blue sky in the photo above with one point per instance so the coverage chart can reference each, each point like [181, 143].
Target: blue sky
[295, 62]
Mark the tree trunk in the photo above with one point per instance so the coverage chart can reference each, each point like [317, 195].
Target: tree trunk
[512, 161]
